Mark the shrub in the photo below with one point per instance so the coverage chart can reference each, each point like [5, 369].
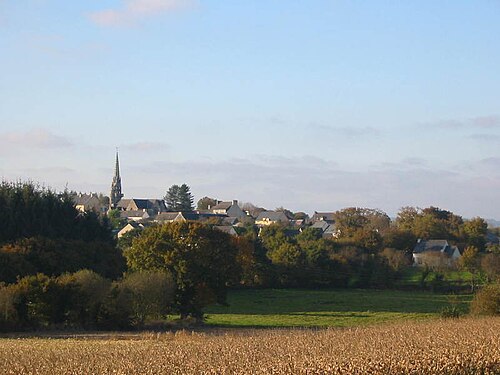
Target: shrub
[86, 292]
[453, 309]
[487, 301]
[151, 294]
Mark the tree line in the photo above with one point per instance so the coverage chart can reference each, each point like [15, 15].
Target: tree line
[48, 272]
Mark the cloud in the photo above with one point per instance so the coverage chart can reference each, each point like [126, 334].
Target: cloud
[136, 11]
[481, 122]
[146, 146]
[35, 138]
[308, 184]
[349, 131]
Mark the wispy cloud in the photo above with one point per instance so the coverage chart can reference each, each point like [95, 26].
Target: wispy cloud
[309, 184]
[135, 11]
[481, 122]
[35, 138]
[350, 131]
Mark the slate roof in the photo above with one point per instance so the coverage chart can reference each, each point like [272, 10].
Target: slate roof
[434, 245]
[123, 204]
[129, 214]
[272, 216]
[323, 225]
[148, 204]
[190, 216]
[166, 216]
[222, 206]
[323, 216]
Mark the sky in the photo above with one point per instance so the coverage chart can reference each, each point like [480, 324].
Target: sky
[310, 105]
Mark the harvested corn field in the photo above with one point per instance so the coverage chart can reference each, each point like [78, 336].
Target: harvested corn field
[465, 346]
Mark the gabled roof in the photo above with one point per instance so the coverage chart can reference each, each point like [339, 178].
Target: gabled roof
[222, 206]
[323, 216]
[166, 216]
[435, 245]
[133, 213]
[190, 216]
[147, 204]
[123, 203]
[84, 199]
[323, 225]
[272, 216]
[430, 245]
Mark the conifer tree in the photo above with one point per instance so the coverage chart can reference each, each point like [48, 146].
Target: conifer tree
[179, 198]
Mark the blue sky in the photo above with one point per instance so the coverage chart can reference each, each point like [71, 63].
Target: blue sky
[311, 105]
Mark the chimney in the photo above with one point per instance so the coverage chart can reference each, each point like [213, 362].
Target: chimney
[235, 202]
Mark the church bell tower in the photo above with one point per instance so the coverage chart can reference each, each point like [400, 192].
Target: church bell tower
[116, 186]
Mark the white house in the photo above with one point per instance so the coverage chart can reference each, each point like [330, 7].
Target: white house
[434, 247]
[230, 209]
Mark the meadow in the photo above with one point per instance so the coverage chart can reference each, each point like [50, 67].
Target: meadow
[454, 346]
[328, 308]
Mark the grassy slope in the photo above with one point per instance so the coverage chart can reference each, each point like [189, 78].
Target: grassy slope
[319, 308]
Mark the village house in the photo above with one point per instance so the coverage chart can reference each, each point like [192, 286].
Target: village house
[425, 247]
[128, 228]
[230, 209]
[271, 217]
[327, 217]
[328, 230]
[88, 202]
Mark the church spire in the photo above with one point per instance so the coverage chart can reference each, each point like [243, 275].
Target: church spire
[117, 166]
[116, 185]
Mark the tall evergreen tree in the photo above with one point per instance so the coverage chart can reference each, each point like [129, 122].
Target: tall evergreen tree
[179, 198]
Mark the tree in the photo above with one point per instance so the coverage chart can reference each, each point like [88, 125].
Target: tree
[206, 202]
[400, 239]
[406, 218]
[475, 232]
[179, 198]
[470, 261]
[396, 259]
[151, 294]
[431, 222]
[29, 210]
[351, 219]
[490, 265]
[201, 260]
[115, 220]
[487, 301]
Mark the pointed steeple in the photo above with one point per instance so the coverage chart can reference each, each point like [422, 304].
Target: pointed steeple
[116, 185]
[117, 166]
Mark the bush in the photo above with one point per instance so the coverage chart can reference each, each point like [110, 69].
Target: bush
[86, 293]
[487, 301]
[150, 294]
[453, 309]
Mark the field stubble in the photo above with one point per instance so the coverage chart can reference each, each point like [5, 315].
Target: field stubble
[464, 346]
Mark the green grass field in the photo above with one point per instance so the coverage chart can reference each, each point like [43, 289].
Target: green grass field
[412, 275]
[322, 308]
